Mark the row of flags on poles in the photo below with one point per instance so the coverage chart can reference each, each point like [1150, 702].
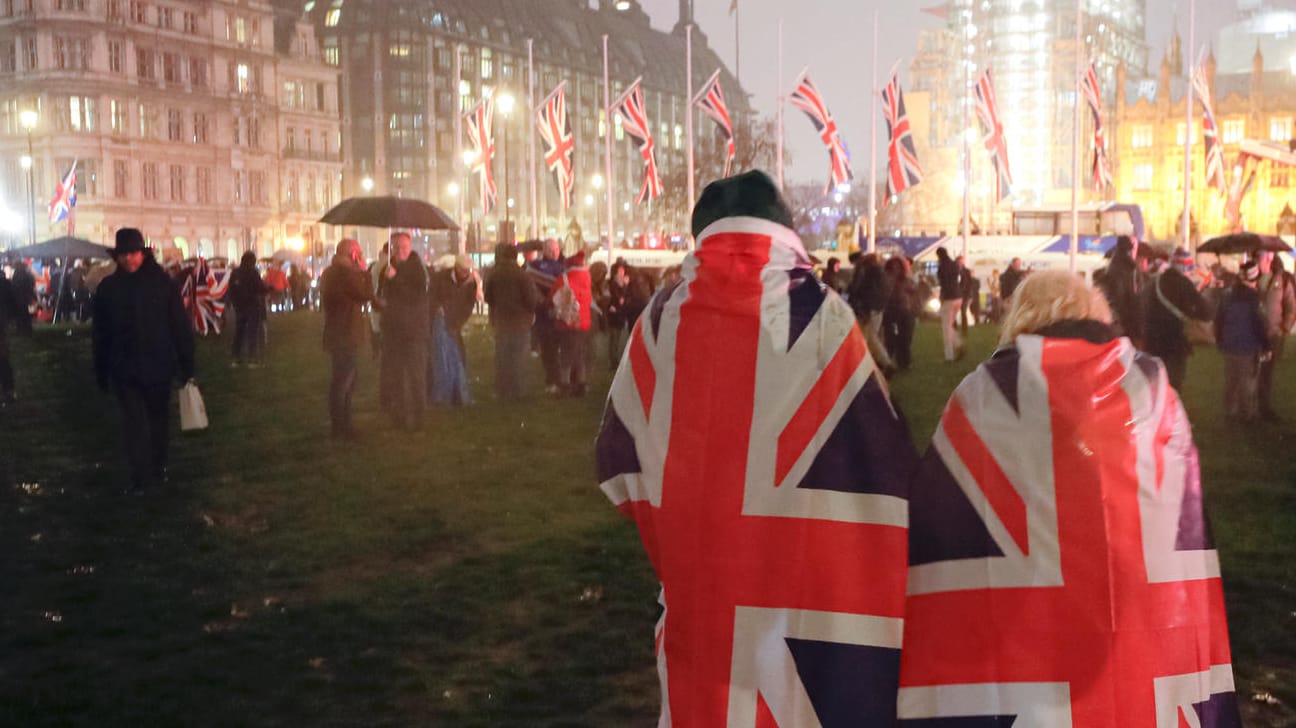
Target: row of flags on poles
[553, 123]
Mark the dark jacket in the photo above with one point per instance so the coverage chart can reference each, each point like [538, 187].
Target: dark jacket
[1239, 324]
[1163, 330]
[142, 334]
[24, 285]
[454, 298]
[947, 275]
[8, 303]
[405, 296]
[344, 289]
[1120, 284]
[512, 296]
[247, 292]
[1008, 282]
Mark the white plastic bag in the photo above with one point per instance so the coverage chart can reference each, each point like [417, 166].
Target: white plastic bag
[193, 413]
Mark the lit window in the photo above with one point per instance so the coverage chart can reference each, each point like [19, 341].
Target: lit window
[332, 17]
[1233, 130]
[1141, 138]
[1280, 129]
[1143, 177]
[1179, 133]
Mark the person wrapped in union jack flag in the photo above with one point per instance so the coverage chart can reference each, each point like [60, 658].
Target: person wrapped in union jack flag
[751, 438]
[1061, 568]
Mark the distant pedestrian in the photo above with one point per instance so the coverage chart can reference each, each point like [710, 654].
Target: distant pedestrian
[1278, 294]
[545, 271]
[970, 285]
[951, 303]
[1121, 283]
[616, 310]
[143, 340]
[869, 292]
[8, 312]
[1009, 281]
[570, 306]
[1172, 305]
[1240, 333]
[24, 291]
[455, 292]
[247, 293]
[898, 318]
[404, 290]
[513, 297]
[344, 290]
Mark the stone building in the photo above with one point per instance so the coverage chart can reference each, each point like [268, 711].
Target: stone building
[173, 112]
[402, 101]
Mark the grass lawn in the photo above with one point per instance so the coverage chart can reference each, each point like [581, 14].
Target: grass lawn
[469, 574]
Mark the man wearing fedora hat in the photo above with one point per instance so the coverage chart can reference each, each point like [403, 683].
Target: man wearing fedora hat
[143, 340]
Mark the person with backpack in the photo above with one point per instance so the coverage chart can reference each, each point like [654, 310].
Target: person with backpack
[1172, 304]
[1241, 336]
[570, 304]
[1278, 294]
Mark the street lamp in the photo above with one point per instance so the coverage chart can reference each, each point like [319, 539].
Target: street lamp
[367, 184]
[469, 159]
[505, 103]
[28, 118]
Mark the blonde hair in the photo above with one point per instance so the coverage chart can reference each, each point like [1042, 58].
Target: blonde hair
[1050, 296]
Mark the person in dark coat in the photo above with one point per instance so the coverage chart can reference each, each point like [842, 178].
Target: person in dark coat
[970, 285]
[951, 302]
[898, 317]
[616, 309]
[869, 292]
[24, 291]
[247, 293]
[544, 271]
[8, 312]
[1172, 303]
[405, 326]
[1009, 281]
[1121, 285]
[452, 298]
[344, 290]
[143, 340]
[1240, 334]
[513, 298]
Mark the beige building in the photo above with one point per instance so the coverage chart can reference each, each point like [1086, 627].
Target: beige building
[176, 114]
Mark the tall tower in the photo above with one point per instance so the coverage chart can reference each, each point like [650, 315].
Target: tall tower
[1030, 44]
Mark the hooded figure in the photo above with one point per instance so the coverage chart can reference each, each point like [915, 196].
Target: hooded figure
[1062, 571]
[248, 294]
[750, 436]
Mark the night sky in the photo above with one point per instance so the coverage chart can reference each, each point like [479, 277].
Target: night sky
[834, 37]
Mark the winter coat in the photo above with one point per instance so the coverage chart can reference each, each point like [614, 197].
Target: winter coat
[455, 298]
[405, 315]
[1120, 284]
[1279, 302]
[578, 279]
[1009, 281]
[247, 292]
[344, 289]
[1239, 322]
[142, 334]
[1164, 331]
[947, 275]
[512, 296]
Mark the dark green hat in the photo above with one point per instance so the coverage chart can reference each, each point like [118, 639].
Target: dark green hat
[751, 194]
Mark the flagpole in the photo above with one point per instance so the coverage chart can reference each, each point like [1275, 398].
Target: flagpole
[778, 162]
[1188, 134]
[531, 148]
[459, 150]
[1075, 140]
[737, 55]
[873, 96]
[688, 124]
[967, 150]
[607, 147]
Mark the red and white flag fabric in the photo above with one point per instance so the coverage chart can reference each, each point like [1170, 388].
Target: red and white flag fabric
[556, 133]
[480, 126]
[64, 197]
[750, 437]
[711, 101]
[634, 119]
[1215, 176]
[203, 294]
[903, 170]
[995, 143]
[1102, 173]
[805, 96]
[1062, 571]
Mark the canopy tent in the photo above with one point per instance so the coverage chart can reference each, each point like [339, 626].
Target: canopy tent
[63, 247]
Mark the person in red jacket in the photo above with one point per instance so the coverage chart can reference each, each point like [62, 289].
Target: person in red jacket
[570, 303]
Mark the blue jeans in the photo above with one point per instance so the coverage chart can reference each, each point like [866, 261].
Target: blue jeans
[511, 349]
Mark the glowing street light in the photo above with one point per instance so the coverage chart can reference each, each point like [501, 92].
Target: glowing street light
[453, 189]
[367, 184]
[505, 104]
[28, 119]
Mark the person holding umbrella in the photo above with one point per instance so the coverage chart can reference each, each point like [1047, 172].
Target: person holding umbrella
[406, 329]
[344, 289]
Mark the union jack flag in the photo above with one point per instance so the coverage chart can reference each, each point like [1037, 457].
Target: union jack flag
[64, 197]
[806, 97]
[752, 440]
[480, 127]
[903, 170]
[1102, 175]
[203, 294]
[1214, 149]
[712, 102]
[634, 119]
[995, 142]
[1062, 572]
[556, 131]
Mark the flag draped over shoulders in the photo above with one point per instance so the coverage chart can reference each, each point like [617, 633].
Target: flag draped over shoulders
[753, 442]
[1062, 571]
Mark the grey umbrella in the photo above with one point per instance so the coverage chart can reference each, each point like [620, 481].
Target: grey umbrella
[389, 212]
[1243, 243]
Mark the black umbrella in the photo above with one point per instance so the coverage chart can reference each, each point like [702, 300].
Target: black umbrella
[64, 247]
[1243, 243]
[389, 212]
